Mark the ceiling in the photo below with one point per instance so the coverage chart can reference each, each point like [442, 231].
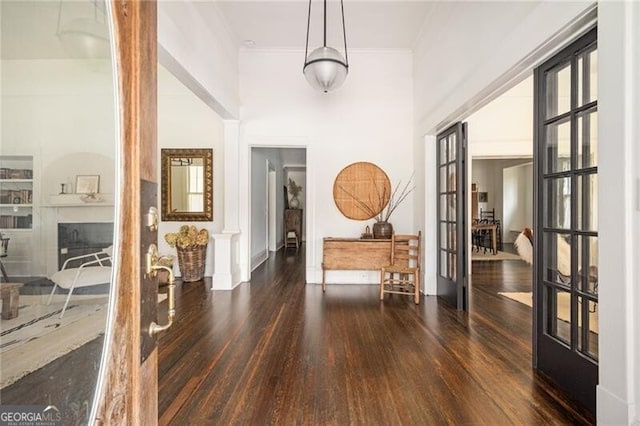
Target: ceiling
[283, 24]
[29, 27]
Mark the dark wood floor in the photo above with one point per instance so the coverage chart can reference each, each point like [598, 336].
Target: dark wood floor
[276, 351]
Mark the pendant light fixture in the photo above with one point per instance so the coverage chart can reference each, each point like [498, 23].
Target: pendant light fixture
[325, 68]
[85, 37]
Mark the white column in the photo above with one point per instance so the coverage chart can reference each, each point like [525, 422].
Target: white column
[225, 252]
[231, 175]
[430, 234]
[227, 273]
[618, 390]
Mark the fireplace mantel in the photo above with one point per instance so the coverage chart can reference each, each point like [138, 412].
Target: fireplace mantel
[75, 200]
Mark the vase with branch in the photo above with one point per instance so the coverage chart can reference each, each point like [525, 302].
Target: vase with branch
[294, 190]
[380, 205]
[383, 228]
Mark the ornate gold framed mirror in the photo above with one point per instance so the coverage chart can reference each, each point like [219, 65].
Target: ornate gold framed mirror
[187, 185]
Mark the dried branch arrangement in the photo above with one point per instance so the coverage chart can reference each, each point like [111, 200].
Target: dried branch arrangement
[378, 207]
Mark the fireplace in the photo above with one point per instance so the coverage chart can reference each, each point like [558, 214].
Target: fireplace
[75, 239]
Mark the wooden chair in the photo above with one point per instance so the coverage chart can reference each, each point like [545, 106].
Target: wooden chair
[402, 276]
[489, 216]
[292, 228]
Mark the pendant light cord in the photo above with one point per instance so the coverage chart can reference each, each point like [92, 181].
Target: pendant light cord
[344, 32]
[325, 24]
[344, 35]
[306, 47]
[59, 18]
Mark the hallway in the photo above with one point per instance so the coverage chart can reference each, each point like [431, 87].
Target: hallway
[275, 351]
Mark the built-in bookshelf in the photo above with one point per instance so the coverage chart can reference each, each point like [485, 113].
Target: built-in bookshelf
[16, 192]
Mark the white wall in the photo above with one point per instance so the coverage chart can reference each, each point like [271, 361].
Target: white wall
[259, 206]
[184, 121]
[62, 113]
[488, 175]
[504, 127]
[490, 40]
[259, 202]
[55, 107]
[369, 119]
[517, 200]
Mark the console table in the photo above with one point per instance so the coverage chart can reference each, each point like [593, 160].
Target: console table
[354, 254]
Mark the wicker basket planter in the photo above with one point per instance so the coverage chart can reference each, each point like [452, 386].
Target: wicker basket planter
[192, 262]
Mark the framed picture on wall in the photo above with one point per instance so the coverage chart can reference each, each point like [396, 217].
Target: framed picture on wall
[483, 197]
[87, 184]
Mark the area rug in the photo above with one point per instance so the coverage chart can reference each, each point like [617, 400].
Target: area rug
[564, 312]
[501, 255]
[38, 336]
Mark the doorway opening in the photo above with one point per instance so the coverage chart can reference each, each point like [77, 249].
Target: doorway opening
[278, 184]
[500, 188]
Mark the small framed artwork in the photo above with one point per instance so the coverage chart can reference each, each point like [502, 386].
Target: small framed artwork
[483, 197]
[87, 184]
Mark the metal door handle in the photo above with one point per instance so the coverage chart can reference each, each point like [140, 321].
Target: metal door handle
[152, 219]
[152, 268]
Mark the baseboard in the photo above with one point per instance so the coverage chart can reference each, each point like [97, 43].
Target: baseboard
[612, 410]
[259, 259]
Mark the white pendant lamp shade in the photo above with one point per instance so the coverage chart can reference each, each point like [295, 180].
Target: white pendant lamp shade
[83, 30]
[325, 69]
[85, 38]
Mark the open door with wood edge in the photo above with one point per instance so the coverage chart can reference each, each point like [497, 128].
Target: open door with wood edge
[128, 390]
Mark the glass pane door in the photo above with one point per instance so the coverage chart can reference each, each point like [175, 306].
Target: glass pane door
[566, 234]
[451, 182]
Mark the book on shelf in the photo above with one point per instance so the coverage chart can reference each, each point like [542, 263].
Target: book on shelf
[16, 196]
[15, 222]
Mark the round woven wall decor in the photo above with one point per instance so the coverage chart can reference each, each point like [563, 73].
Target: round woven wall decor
[361, 190]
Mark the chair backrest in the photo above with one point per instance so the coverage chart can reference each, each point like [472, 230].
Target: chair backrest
[488, 214]
[406, 250]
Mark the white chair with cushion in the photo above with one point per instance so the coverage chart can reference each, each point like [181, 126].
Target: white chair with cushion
[93, 269]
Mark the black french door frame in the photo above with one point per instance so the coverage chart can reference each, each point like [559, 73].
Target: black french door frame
[560, 347]
[452, 227]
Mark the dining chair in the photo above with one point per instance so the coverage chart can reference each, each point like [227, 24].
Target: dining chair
[402, 275]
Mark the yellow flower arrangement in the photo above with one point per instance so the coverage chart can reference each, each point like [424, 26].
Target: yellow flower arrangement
[188, 237]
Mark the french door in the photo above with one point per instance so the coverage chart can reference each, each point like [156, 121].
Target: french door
[451, 205]
[566, 219]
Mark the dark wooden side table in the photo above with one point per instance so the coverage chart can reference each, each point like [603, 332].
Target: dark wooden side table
[10, 299]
